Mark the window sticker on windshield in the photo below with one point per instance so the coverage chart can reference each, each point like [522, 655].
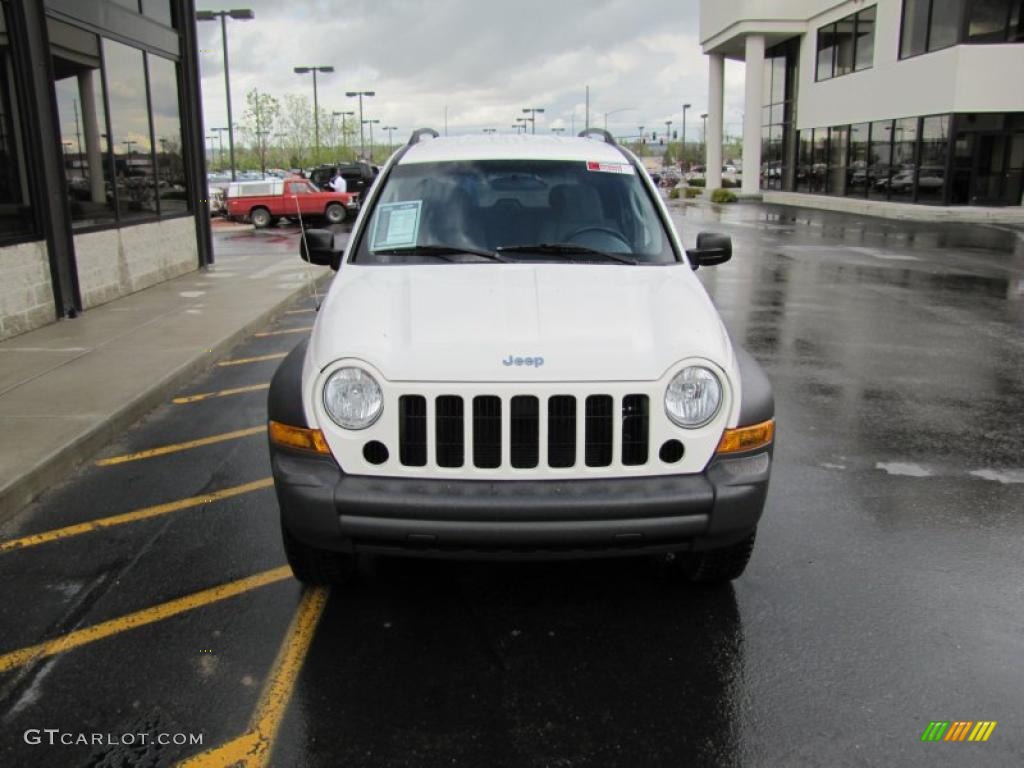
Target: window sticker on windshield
[594, 165]
[398, 225]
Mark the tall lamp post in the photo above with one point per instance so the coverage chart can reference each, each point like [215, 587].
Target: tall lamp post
[558, 130]
[238, 14]
[316, 105]
[668, 131]
[532, 111]
[615, 112]
[220, 143]
[370, 123]
[490, 130]
[522, 121]
[344, 135]
[704, 133]
[362, 138]
[682, 150]
[389, 129]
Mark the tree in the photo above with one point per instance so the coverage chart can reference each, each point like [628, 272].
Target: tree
[262, 113]
[297, 125]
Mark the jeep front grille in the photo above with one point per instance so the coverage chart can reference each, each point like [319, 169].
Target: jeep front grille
[531, 421]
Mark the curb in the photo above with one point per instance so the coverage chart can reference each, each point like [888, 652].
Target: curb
[22, 491]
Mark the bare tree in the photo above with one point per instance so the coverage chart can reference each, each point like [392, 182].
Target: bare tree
[297, 125]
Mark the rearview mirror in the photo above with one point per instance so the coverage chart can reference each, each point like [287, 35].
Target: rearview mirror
[712, 248]
[317, 247]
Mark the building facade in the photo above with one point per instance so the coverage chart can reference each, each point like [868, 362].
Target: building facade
[915, 101]
[102, 173]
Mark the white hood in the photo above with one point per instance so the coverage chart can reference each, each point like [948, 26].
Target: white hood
[463, 322]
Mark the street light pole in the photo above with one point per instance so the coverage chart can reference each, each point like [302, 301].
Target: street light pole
[362, 138]
[389, 129]
[316, 105]
[533, 116]
[668, 131]
[682, 151]
[615, 112]
[490, 130]
[344, 135]
[239, 14]
[704, 133]
[371, 122]
[220, 143]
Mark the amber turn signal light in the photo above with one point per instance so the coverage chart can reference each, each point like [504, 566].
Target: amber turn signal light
[749, 438]
[298, 438]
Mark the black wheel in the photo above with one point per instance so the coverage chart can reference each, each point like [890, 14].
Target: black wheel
[317, 566]
[260, 217]
[715, 566]
[335, 213]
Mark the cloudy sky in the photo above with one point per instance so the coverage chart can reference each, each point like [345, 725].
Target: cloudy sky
[483, 59]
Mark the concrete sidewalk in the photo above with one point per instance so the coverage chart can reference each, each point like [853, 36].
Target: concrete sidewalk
[68, 388]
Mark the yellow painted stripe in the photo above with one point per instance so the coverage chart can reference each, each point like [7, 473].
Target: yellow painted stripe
[175, 447]
[247, 360]
[253, 748]
[141, 618]
[130, 517]
[221, 393]
[988, 731]
[303, 329]
[298, 311]
[977, 730]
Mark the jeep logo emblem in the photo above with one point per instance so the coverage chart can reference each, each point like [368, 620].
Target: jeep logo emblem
[511, 360]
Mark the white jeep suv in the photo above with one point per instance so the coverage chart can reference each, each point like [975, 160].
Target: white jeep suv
[515, 360]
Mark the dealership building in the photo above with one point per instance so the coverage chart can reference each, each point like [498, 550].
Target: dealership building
[873, 103]
[102, 175]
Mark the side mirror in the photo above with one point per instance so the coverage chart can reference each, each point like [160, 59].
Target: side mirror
[317, 247]
[712, 248]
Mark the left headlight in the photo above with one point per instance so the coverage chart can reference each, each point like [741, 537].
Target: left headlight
[693, 397]
[352, 398]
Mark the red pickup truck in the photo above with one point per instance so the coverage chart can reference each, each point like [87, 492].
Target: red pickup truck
[264, 202]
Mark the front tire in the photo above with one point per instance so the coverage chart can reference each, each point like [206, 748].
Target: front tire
[335, 213]
[260, 218]
[715, 566]
[317, 566]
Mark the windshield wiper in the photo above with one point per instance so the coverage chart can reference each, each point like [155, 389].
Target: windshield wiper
[567, 249]
[440, 251]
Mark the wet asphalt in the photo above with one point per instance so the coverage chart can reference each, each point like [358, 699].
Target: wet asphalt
[886, 589]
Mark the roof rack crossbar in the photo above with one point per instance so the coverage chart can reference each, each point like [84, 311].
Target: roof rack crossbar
[420, 133]
[599, 131]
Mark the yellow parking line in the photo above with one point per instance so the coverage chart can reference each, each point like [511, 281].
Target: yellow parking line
[299, 311]
[175, 447]
[303, 329]
[222, 393]
[141, 618]
[130, 517]
[253, 748]
[257, 359]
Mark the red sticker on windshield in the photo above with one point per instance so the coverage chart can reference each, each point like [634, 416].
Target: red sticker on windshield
[594, 165]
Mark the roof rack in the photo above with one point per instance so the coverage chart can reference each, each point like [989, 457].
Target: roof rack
[420, 133]
[601, 132]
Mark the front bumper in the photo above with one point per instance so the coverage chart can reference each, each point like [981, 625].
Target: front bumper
[519, 519]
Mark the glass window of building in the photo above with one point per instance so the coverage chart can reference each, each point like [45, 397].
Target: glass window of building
[914, 30]
[865, 46]
[837, 151]
[170, 165]
[777, 114]
[805, 143]
[819, 160]
[15, 210]
[931, 180]
[994, 21]
[158, 10]
[944, 26]
[78, 88]
[904, 163]
[844, 42]
[880, 159]
[130, 133]
[826, 52]
[857, 168]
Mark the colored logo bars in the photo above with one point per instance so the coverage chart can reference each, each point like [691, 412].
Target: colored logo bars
[958, 730]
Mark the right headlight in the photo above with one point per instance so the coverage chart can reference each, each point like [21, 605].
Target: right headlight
[352, 398]
[693, 397]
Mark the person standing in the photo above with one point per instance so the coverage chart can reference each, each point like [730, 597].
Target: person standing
[338, 183]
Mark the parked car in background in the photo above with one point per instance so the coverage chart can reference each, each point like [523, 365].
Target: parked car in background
[265, 202]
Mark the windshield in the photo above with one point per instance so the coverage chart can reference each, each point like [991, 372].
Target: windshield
[492, 205]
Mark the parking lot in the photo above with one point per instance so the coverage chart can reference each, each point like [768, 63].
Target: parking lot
[147, 594]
